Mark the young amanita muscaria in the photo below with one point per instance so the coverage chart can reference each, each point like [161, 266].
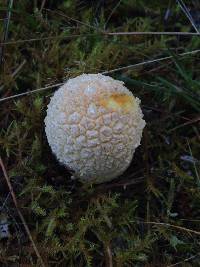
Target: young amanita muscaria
[93, 126]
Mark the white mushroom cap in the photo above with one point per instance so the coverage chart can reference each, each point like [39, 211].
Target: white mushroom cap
[93, 126]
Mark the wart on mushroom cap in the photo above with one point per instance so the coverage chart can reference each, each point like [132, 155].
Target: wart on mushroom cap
[93, 125]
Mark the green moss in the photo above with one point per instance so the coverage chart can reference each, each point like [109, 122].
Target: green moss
[83, 225]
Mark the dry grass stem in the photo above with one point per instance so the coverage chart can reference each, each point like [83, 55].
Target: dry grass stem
[19, 212]
[104, 72]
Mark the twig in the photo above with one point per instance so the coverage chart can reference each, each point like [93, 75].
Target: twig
[42, 5]
[154, 33]
[100, 32]
[104, 72]
[19, 212]
[149, 62]
[108, 252]
[30, 92]
[18, 68]
[185, 260]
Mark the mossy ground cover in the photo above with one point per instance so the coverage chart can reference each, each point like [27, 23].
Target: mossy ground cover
[150, 216]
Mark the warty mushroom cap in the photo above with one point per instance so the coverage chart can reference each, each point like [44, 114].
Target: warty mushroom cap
[93, 126]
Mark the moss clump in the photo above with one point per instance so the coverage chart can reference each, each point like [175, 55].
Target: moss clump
[142, 218]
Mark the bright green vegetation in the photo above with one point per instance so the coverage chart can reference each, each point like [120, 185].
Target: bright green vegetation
[116, 223]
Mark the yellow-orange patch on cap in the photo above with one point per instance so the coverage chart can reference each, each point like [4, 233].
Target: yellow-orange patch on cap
[118, 102]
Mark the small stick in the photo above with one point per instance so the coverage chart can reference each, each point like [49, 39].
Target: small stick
[108, 253]
[19, 212]
[100, 32]
[149, 62]
[154, 33]
[42, 5]
[30, 92]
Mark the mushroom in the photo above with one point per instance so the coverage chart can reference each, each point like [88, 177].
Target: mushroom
[93, 126]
